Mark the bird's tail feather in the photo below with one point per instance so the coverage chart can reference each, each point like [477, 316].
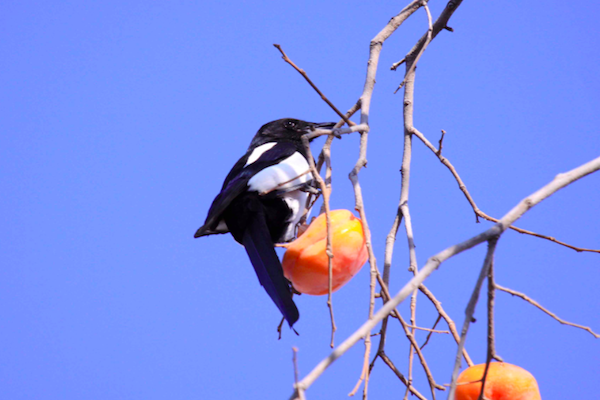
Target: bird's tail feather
[259, 247]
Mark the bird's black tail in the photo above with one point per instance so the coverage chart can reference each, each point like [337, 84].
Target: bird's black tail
[259, 247]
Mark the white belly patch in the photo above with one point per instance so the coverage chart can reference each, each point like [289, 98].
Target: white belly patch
[296, 201]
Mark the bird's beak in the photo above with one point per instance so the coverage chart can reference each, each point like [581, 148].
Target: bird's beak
[320, 125]
[324, 125]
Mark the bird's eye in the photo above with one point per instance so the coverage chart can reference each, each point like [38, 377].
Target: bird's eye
[290, 124]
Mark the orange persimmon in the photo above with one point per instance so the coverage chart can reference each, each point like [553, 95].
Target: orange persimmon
[504, 382]
[305, 262]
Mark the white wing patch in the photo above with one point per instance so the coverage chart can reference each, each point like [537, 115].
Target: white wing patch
[257, 152]
[292, 170]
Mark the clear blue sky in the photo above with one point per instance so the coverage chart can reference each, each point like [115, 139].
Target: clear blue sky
[120, 120]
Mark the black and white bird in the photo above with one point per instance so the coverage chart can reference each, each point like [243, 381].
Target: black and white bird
[262, 200]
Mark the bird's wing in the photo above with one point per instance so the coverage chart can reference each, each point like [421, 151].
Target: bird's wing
[237, 181]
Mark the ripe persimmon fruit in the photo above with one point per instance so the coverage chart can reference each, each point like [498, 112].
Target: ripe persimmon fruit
[504, 382]
[305, 262]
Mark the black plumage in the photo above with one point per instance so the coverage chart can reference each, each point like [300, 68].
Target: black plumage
[262, 200]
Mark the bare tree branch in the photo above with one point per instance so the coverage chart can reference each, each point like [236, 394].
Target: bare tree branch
[405, 170]
[438, 26]
[325, 157]
[409, 386]
[491, 351]
[476, 210]
[295, 362]
[491, 339]
[491, 235]
[430, 330]
[559, 182]
[329, 250]
[438, 306]
[375, 50]
[440, 143]
[536, 304]
[429, 35]
[409, 335]
[470, 311]
[365, 100]
[437, 320]
[310, 82]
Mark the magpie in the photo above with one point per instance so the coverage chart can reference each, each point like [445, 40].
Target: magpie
[262, 200]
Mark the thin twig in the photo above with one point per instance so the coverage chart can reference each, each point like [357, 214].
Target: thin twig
[451, 325]
[375, 50]
[447, 163]
[438, 26]
[491, 352]
[359, 206]
[414, 345]
[386, 298]
[491, 339]
[412, 64]
[310, 82]
[439, 152]
[430, 330]
[387, 263]
[295, 362]
[279, 186]
[363, 374]
[299, 392]
[311, 200]
[476, 210]
[397, 64]
[404, 195]
[338, 131]
[326, 151]
[366, 369]
[437, 320]
[329, 251]
[411, 352]
[526, 232]
[348, 114]
[410, 387]
[550, 313]
[489, 259]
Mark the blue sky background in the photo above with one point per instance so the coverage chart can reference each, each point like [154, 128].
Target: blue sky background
[120, 120]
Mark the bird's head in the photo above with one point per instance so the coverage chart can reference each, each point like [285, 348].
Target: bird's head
[287, 129]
